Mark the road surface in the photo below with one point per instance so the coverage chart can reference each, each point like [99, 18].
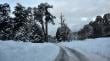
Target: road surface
[68, 54]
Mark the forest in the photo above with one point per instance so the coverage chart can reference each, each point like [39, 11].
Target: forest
[30, 24]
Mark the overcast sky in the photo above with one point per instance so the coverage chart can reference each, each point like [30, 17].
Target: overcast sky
[76, 12]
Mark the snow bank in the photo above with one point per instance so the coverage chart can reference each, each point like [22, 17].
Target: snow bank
[19, 51]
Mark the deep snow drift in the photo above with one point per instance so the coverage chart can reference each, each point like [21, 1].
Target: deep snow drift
[88, 50]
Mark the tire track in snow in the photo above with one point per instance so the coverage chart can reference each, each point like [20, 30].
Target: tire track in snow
[80, 56]
[68, 54]
[62, 56]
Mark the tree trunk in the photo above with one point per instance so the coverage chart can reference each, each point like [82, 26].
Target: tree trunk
[46, 33]
[43, 31]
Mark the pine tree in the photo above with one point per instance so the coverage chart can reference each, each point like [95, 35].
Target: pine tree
[40, 13]
[38, 16]
[34, 31]
[63, 32]
[5, 22]
[20, 20]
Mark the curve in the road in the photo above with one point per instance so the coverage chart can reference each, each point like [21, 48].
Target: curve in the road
[80, 56]
[64, 56]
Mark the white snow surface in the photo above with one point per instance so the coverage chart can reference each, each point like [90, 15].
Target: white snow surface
[93, 49]
[19, 51]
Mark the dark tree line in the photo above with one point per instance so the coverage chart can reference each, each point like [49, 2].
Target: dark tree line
[27, 24]
[98, 28]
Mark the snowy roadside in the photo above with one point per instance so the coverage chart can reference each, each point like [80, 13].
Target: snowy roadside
[94, 49]
[89, 50]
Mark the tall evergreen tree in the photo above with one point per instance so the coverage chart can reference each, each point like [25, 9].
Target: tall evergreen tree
[34, 31]
[40, 13]
[5, 20]
[20, 21]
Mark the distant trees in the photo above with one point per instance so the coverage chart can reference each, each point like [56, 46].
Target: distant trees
[31, 24]
[106, 17]
[98, 28]
[23, 26]
[63, 32]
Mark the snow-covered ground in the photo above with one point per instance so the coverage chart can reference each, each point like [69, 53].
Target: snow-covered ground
[94, 49]
[88, 50]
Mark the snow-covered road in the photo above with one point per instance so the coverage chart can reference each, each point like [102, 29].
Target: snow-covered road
[67, 54]
[88, 50]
